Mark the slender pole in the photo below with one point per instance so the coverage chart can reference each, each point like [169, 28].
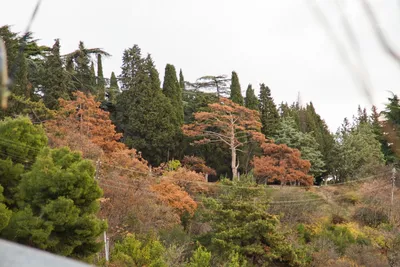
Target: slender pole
[393, 184]
[106, 245]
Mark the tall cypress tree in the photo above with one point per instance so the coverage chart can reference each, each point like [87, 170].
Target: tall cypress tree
[100, 78]
[251, 101]
[173, 91]
[143, 113]
[21, 78]
[181, 80]
[56, 83]
[93, 79]
[113, 89]
[268, 112]
[236, 92]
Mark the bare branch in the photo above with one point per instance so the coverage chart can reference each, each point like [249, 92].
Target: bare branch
[379, 33]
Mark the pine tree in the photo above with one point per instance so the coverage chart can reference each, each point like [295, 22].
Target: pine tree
[268, 112]
[228, 123]
[181, 80]
[56, 83]
[234, 215]
[101, 87]
[173, 91]
[236, 92]
[218, 83]
[251, 101]
[20, 140]
[58, 206]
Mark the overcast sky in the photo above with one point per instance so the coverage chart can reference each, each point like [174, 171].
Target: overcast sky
[280, 43]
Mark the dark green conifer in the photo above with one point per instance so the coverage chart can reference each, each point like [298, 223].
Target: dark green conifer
[93, 78]
[268, 112]
[78, 64]
[236, 92]
[251, 101]
[181, 80]
[132, 68]
[113, 89]
[59, 200]
[83, 71]
[173, 91]
[143, 113]
[100, 78]
[56, 83]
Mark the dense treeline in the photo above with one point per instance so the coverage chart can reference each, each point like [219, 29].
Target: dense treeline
[77, 148]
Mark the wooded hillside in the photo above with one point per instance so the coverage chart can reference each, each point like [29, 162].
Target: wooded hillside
[188, 173]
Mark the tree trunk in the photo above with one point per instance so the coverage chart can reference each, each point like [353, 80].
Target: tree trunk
[233, 164]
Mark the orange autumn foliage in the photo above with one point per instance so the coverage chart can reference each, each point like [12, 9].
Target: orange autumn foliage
[197, 164]
[231, 121]
[228, 123]
[188, 180]
[172, 195]
[82, 125]
[132, 206]
[83, 116]
[282, 163]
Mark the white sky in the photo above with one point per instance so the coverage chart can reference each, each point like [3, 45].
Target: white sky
[280, 43]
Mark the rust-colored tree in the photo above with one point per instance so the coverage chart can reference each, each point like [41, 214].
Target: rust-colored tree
[82, 125]
[283, 164]
[84, 116]
[191, 181]
[172, 195]
[198, 165]
[228, 123]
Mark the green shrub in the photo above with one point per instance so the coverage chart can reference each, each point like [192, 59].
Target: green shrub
[344, 235]
[305, 235]
[201, 258]
[173, 165]
[133, 252]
